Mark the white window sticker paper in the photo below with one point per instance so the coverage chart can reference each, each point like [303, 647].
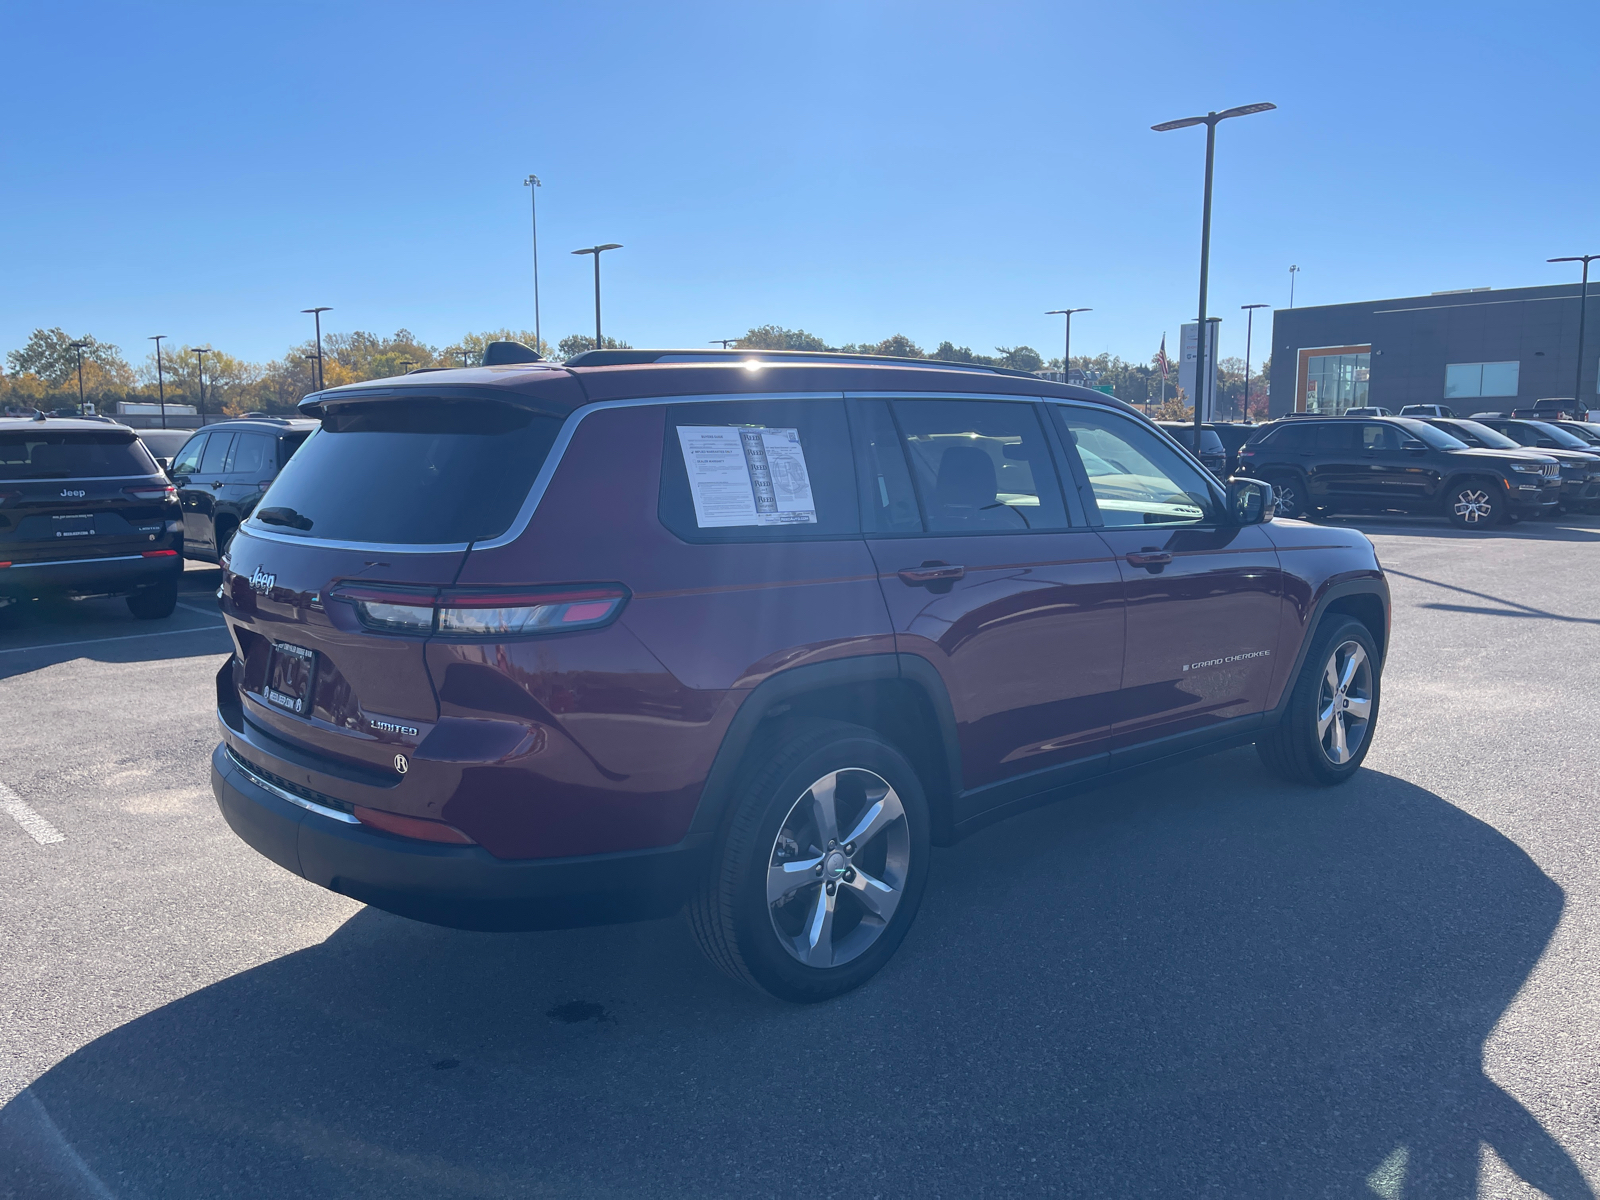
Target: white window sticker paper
[741, 475]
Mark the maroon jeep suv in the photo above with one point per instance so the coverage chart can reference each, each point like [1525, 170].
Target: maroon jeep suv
[532, 646]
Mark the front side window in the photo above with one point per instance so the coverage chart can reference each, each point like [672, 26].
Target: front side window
[1378, 437]
[188, 460]
[981, 466]
[1466, 380]
[215, 460]
[1136, 479]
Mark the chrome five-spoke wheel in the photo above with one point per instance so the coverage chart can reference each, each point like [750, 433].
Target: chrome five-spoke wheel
[1344, 702]
[837, 868]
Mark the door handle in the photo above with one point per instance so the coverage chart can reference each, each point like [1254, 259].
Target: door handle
[216, 483]
[931, 574]
[1149, 558]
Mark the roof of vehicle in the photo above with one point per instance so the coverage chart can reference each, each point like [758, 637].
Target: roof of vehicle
[253, 421]
[648, 374]
[58, 425]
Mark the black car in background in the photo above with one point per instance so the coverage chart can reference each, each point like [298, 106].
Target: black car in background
[1397, 464]
[1234, 434]
[85, 511]
[164, 444]
[1212, 453]
[223, 470]
[1580, 462]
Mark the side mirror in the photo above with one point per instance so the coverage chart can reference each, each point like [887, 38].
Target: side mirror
[1250, 501]
[1414, 446]
[165, 464]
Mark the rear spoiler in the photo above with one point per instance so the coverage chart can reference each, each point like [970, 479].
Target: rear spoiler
[316, 405]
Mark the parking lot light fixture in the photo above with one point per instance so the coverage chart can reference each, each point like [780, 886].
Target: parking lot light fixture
[317, 315]
[161, 387]
[78, 346]
[1293, 271]
[597, 251]
[200, 353]
[1249, 317]
[724, 342]
[1066, 345]
[1210, 121]
[533, 185]
[1583, 304]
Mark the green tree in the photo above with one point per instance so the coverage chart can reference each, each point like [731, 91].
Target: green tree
[895, 346]
[473, 345]
[577, 343]
[49, 355]
[950, 352]
[1020, 358]
[776, 337]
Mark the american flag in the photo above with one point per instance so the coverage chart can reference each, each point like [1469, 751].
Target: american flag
[1161, 358]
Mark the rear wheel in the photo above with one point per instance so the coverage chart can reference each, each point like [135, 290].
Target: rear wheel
[820, 872]
[225, 534]
[1474, 504]
[152, 604]
[1327, 726]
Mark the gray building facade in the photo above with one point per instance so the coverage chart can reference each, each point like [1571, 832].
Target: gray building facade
[1482, 350]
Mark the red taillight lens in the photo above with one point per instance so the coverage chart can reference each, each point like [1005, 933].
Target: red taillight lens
[480, 614]
[484, 612]
[160, 554]
[412, 827]
[152, 491]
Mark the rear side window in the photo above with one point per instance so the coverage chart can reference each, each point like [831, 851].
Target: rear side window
[411, 472]
[758, 470]
[252, 454]
[287, 445]
[74, 455]
[1289, 439]
[1335, 437]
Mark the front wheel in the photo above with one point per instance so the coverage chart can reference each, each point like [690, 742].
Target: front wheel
[1473, 505]
[1326, 728]
[821, 870]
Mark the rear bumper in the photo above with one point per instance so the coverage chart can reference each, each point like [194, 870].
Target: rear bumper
[88, 576]
[461, 886]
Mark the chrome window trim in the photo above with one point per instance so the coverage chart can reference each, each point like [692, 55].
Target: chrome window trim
[156, 474]
[284, 794]
[68, 562]
[569, 427]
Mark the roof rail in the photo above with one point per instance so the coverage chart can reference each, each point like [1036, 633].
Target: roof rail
[628, 358]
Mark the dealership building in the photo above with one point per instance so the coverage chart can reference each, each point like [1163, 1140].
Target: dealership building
[1486, 349]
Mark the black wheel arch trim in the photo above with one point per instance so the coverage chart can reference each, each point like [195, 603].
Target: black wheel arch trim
[1367, 585]
[769, 699]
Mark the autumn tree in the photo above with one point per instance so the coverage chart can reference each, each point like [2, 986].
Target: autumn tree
[776, 337]
[576, 343]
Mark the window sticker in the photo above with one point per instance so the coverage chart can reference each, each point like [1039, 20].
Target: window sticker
[743, 475]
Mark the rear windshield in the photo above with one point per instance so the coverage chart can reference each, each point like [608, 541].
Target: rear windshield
[60, 455]
[411, 472]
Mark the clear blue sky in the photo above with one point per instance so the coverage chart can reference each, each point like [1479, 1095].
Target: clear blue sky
[856, 169]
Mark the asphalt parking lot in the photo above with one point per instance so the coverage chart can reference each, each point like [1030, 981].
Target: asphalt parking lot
[1198, 983]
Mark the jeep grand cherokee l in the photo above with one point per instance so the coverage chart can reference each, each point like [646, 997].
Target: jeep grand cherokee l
[85, 511]
[1398, 464]
[535, 646]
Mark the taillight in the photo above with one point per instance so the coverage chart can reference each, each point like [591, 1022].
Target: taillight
[463, 612]
[160, 554]
[152, 491]
[412, 827]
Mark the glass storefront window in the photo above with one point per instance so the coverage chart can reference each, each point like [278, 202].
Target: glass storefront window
[1464, 380]
[1336, 382]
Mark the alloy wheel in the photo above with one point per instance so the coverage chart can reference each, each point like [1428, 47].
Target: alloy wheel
[1344, 702]
[831, 894]
[1473, 505]
[1287, 497]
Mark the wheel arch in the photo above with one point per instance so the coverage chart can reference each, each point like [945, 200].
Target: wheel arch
[1366, 599]
[898, 696]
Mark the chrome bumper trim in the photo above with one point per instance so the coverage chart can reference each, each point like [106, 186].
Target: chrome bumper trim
[267, 785]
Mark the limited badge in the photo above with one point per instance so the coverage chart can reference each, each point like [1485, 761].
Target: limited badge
[400, 764]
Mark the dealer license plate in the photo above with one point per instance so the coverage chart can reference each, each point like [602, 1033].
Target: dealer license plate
[73, 527]
[290, 673]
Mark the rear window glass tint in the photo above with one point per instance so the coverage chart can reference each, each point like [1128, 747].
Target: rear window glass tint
[411, 472]
[762, 470]
[63, 455]
[288, 444]
[252, 452]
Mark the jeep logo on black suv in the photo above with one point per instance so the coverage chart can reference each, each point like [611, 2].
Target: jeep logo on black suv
[262, 582]
[72, 491]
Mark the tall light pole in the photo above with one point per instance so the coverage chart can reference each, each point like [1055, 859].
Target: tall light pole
[161, 386]
[312, 359]
[1583, 305]
[1249, 317]
[723, 342]
[78, 346]
[597, 251]
[533, 185]
[1202, 329]
[200, 357]
[1293, 271]
[1066, 345]
[317, 314]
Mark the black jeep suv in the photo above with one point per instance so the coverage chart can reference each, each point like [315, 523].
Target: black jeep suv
[223, 470]
[85, 511]
[1376, 464]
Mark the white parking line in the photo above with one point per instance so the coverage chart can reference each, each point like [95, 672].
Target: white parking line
[204, 612]
[126, 637]
[32, 823]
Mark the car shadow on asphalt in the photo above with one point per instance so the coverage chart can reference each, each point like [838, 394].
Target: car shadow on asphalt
[1540, 529]
[39, 633]
[1199, 982]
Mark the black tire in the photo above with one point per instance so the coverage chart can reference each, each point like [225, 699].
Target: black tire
[751, 938]
[1288, 495]
[154, 603]
[225, 534]
[1297, 748]
[1474, 504]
